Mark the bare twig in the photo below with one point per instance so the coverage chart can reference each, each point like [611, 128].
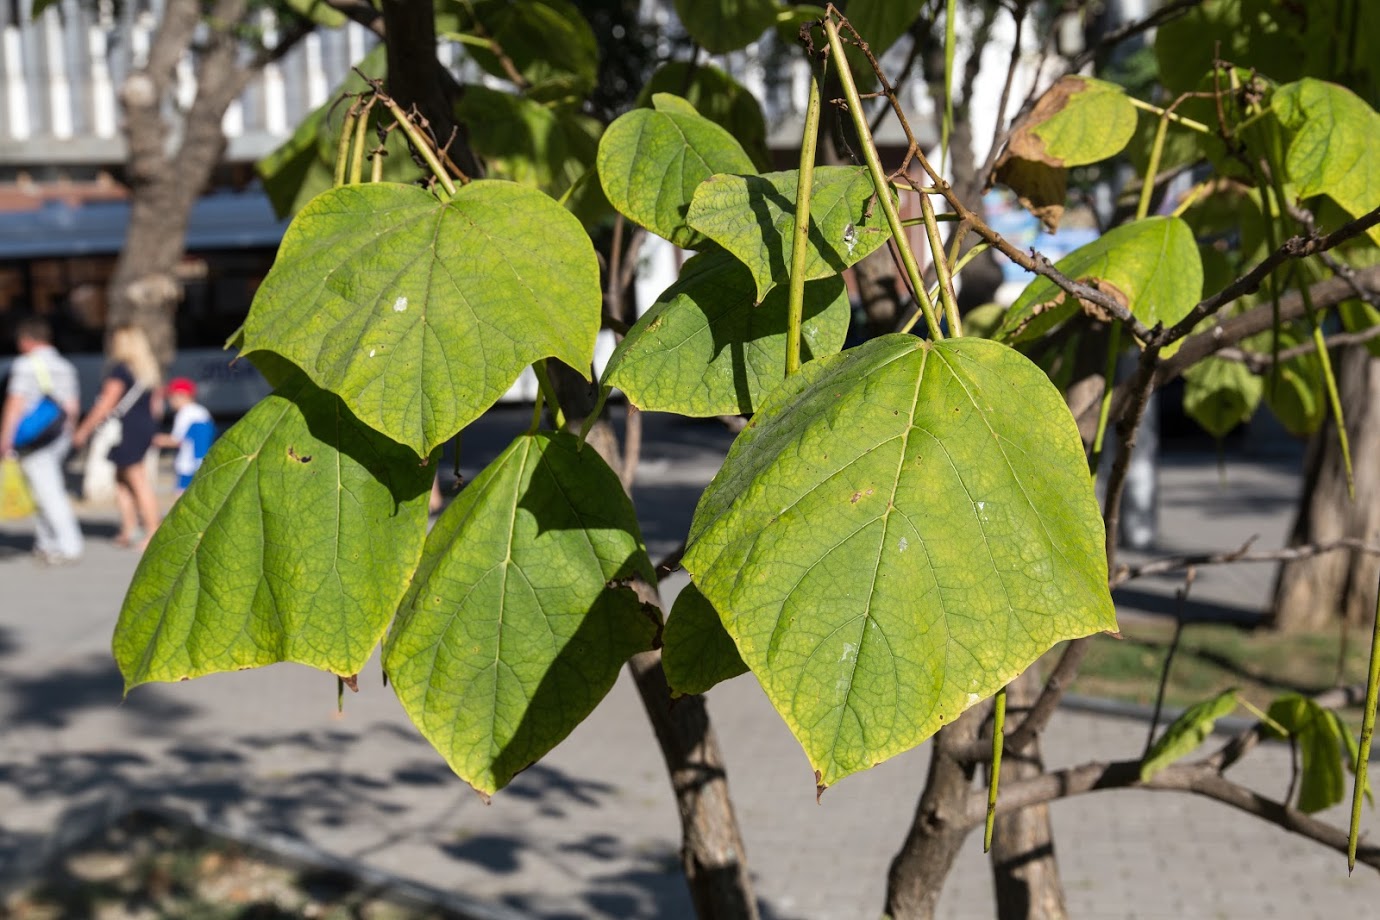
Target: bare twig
[1259, 363]
[1198, 778]
[1126, 573]
[1180, 597]
[1158, 18]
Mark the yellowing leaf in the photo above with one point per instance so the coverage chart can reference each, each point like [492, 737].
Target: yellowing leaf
[900, 530]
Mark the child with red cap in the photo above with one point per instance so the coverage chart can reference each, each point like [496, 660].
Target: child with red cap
[192, 431]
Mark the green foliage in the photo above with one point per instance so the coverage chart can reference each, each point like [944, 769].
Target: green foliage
[699, 651]
[894, 538]
[549, 147]
[1152, 266]
[726, 25]
[1332, 150]
[295, 542]
[546, 41]
[753, 217]
[718, 97]
[1221, 394]
[705, 348]
[1321, 740]
[1186, 733]
[521, 612]
[651, 162]
[421, 313]
[902, 528]
[880, 23]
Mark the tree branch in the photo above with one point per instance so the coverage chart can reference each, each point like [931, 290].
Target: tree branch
[1297, 247]
[1126, 573]
[1325, 294]
[1197, 778]
[360, 12]
[1259, 363]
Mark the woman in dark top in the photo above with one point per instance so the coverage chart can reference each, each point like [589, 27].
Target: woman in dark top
[131, 387]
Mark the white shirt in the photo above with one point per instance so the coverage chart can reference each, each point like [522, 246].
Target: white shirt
[186, 461]
[24, 378]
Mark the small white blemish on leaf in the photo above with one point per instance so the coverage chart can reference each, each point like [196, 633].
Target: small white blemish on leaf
[973, 698]
[903, 544]
[372, 352]
[400, 305]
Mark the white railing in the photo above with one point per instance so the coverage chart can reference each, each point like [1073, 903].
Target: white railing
[60, 74]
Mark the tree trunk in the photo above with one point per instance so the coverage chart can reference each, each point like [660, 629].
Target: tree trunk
[1311, 594]
[712, 852]
[918, 871]
[144, 289]
[1024, 868]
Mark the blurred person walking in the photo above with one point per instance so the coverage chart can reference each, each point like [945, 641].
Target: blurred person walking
[131, 398]
[41, 372]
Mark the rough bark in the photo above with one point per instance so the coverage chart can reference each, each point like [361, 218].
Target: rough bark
[165, 182]
[712, 852]
[1311, 594]
[918, 871]
[1025, 871]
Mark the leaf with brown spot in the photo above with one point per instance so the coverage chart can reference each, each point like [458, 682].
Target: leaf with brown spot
[1077, 121]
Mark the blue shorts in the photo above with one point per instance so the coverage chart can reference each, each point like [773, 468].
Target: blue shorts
[184, 480]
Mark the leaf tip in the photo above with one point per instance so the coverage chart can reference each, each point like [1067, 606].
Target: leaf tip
[820, 786]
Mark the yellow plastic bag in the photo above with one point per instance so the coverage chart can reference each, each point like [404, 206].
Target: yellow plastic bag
[15, 500]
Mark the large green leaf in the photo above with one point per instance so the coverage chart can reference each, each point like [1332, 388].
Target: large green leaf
[726, 25]
[421, 313]
[1077, 121]
[1318, 734]
[650, 163]
[1333, 148]
[1151, 265]
[704, 348]
[1185, 733]
[697, 651]
[718, 97]
[521, 613]
[1220, 394]
[753, 217]
[544, 40]
[900, 531]
[295, 542]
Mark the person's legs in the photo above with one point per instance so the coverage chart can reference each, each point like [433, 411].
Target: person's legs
[57, 530]
[124, 500]
[136, 479]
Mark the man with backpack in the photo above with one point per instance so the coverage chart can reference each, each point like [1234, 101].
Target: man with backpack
[41, 405]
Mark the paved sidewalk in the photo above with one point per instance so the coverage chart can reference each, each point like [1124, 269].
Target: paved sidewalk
[591, 831]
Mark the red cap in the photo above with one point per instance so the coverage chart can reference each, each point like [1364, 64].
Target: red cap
[182, 385]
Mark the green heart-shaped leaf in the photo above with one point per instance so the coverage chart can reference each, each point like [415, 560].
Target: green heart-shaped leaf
[422, 313]
[900, 531]
[1317, 732]
[1221, 394]
[718, 97]
[1152, 266]
[520, 614]
[1332, 151]
[697, 652]
[295, 542]
[651, 161]
[542, 39]
[705, 349]
[753, 217]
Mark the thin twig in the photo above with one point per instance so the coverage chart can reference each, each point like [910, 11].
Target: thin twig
[1180, 598]
[1126, 573]
[1259, 363]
